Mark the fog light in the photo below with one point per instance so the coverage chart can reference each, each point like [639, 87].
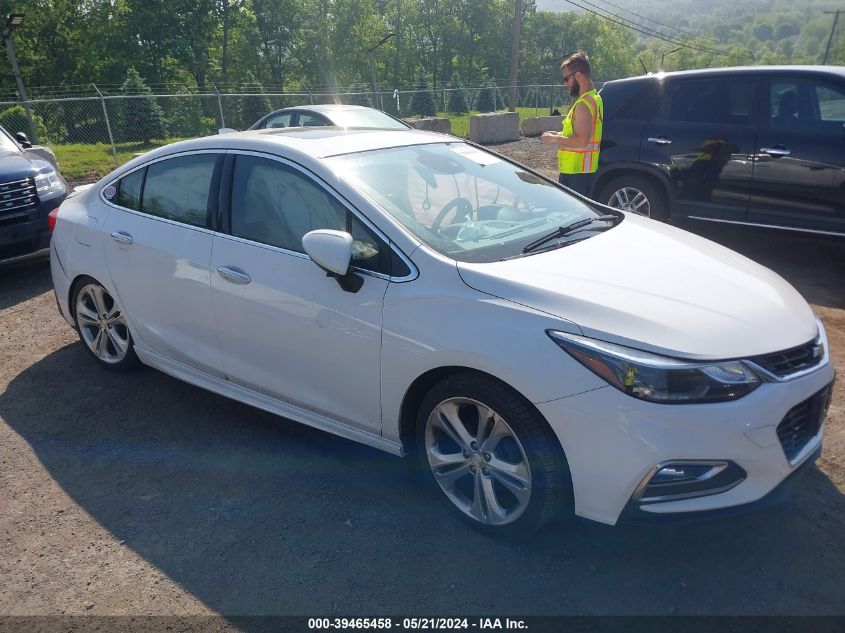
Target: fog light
[675, 480]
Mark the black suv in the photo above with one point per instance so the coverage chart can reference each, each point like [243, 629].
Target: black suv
[753, 145]
[30, 188]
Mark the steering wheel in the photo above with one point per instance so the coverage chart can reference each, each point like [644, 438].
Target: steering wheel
[462, 207]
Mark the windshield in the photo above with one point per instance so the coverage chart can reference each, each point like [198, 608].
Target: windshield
[365, 118]
[462, 201]
[6, 143]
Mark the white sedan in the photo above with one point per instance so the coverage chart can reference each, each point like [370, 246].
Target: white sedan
[537, 352]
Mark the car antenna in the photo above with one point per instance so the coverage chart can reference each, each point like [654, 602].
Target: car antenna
[645, 70]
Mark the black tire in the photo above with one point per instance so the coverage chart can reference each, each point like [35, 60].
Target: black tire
[104, 324]
[533, 444]
[626, 187]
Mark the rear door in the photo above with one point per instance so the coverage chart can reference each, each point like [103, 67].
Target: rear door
[158, 249]
[705, 137]
[799, 173]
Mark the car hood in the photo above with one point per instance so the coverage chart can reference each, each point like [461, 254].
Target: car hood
[655, 287]
[15, 165]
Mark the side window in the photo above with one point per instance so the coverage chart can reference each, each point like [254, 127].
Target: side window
[720, 101]
[831, 102]
[129, 191]
[807, 105]
[308, 120]
[180, 189]
[274, 204]
[278, 121]
[368, 250]
[643, 105]
[277, 205]
[786, 105]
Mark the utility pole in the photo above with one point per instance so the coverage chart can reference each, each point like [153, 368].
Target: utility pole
[830, 39]
[13, 21]
[517, 23]
[377, 101]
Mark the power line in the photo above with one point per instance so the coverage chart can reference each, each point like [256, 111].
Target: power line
[620, 21]
[674, 28]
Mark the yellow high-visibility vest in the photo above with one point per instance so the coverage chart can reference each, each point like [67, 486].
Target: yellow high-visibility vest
[583, 160]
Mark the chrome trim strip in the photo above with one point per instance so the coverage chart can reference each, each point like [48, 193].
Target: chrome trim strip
[411, 266]
[768, 226]
[641, 487]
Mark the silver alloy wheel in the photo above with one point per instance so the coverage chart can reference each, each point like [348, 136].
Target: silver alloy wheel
[101, 324]
[630, 199]
[478, 461]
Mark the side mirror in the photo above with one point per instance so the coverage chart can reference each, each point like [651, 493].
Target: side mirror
[332, 251]
[23, 140]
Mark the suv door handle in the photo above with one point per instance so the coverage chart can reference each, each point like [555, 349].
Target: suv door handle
[123, 238]
[235, 276]
[660, 140]
[777, 150]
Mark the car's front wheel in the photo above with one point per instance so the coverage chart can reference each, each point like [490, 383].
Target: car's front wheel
[102, 326]
[492, 455]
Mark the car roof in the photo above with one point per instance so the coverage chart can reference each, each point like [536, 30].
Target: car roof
[740, 70]
[327, 108]
[314, 142]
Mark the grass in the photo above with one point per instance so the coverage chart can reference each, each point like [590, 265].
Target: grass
[87, 162]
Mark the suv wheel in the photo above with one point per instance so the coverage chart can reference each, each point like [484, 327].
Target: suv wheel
[492, 455]
[635, 194]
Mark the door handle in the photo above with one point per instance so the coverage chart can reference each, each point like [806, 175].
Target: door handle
[659, 140]
[235, 276]
[123, 238]
[778, 150]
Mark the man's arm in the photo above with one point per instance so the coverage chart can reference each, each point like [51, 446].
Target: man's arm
[582, 129]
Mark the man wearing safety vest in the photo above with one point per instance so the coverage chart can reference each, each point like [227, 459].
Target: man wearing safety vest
[580, 141]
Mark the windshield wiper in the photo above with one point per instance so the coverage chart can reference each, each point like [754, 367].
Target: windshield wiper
[569, 229]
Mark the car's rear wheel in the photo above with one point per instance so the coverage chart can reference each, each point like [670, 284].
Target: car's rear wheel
[102, 326]
[635, 194]
[492, 455]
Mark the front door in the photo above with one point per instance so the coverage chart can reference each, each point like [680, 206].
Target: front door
[287, 329]
[799, 173]
[705, 134]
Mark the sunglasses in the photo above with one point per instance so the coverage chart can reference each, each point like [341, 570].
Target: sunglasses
[566, 78]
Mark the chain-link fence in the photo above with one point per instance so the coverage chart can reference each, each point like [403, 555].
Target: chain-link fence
[92, 135]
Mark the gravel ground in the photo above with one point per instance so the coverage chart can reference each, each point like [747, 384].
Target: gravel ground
[138, 494]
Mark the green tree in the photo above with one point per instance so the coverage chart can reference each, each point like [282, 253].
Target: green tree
[255, 105]
[422, 101]
[361, 93]
[457, 102]
[488, 98]
[140, 117]
[14, 120]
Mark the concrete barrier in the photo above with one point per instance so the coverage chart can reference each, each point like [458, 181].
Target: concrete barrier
[495, 127]
[431, 124]
[535, 126]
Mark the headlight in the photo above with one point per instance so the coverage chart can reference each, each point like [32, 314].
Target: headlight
[48, 182]
[659, 378]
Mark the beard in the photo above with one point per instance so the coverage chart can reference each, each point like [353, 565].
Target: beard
[575, 90]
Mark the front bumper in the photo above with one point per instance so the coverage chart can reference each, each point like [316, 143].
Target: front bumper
[28, 237]
[613, 441]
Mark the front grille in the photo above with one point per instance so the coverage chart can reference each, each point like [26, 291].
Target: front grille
[17, 198]
[789, 361]
[802, 423]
